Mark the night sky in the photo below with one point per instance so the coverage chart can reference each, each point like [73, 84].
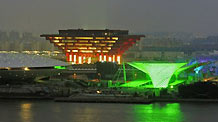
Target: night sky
[139, 16]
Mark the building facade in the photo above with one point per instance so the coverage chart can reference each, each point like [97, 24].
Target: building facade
[89, 46]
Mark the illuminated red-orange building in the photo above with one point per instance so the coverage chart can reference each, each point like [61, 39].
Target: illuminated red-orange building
[89, 46]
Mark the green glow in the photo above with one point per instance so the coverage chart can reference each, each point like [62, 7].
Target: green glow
[160, 73]
[59, 67]
[137, 83]
[176, 82]
[124, 73]
[156, 112]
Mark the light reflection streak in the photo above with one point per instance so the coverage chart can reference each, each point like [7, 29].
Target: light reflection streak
[158, 113]
[26, 112]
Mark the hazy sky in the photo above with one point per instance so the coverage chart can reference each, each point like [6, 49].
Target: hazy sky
[139, 16]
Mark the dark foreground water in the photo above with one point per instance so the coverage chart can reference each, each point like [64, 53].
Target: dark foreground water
[49, 111]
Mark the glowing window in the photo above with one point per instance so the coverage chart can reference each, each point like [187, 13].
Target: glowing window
[82, 48]
[105, 51]
[100, 44]
[69, 40]
[110, 45]
[83, 41]
[92, 48]
[69, 43]
[74, 50]
[113, 58]
[60, 44]
[89, 60]
[109, 59]
[83, 44]
[100, 58]
[115, 38]
[70, 58]
[86, 51]
[94, 41]
[56, 41]
[83, 37]
[105, 57]
[69, 37]
[99, 37]
[58, 37]
[80, 60]
[118, 59]
[109, 41]
[74, 57]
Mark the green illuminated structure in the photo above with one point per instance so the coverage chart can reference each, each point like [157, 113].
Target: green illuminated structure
[59, 67]
[158, 74]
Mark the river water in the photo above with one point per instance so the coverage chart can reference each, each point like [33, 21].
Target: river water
[49, 111]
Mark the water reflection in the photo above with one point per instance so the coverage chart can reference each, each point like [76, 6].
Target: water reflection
[87, 113]
[26, 112]
[157, 112]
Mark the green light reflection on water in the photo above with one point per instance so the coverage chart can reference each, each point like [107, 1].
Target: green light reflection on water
[156, 112]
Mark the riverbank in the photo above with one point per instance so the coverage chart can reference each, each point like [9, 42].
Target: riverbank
[95, 99]
[110, 99]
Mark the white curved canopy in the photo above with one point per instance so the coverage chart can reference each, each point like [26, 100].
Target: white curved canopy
[24, 60]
